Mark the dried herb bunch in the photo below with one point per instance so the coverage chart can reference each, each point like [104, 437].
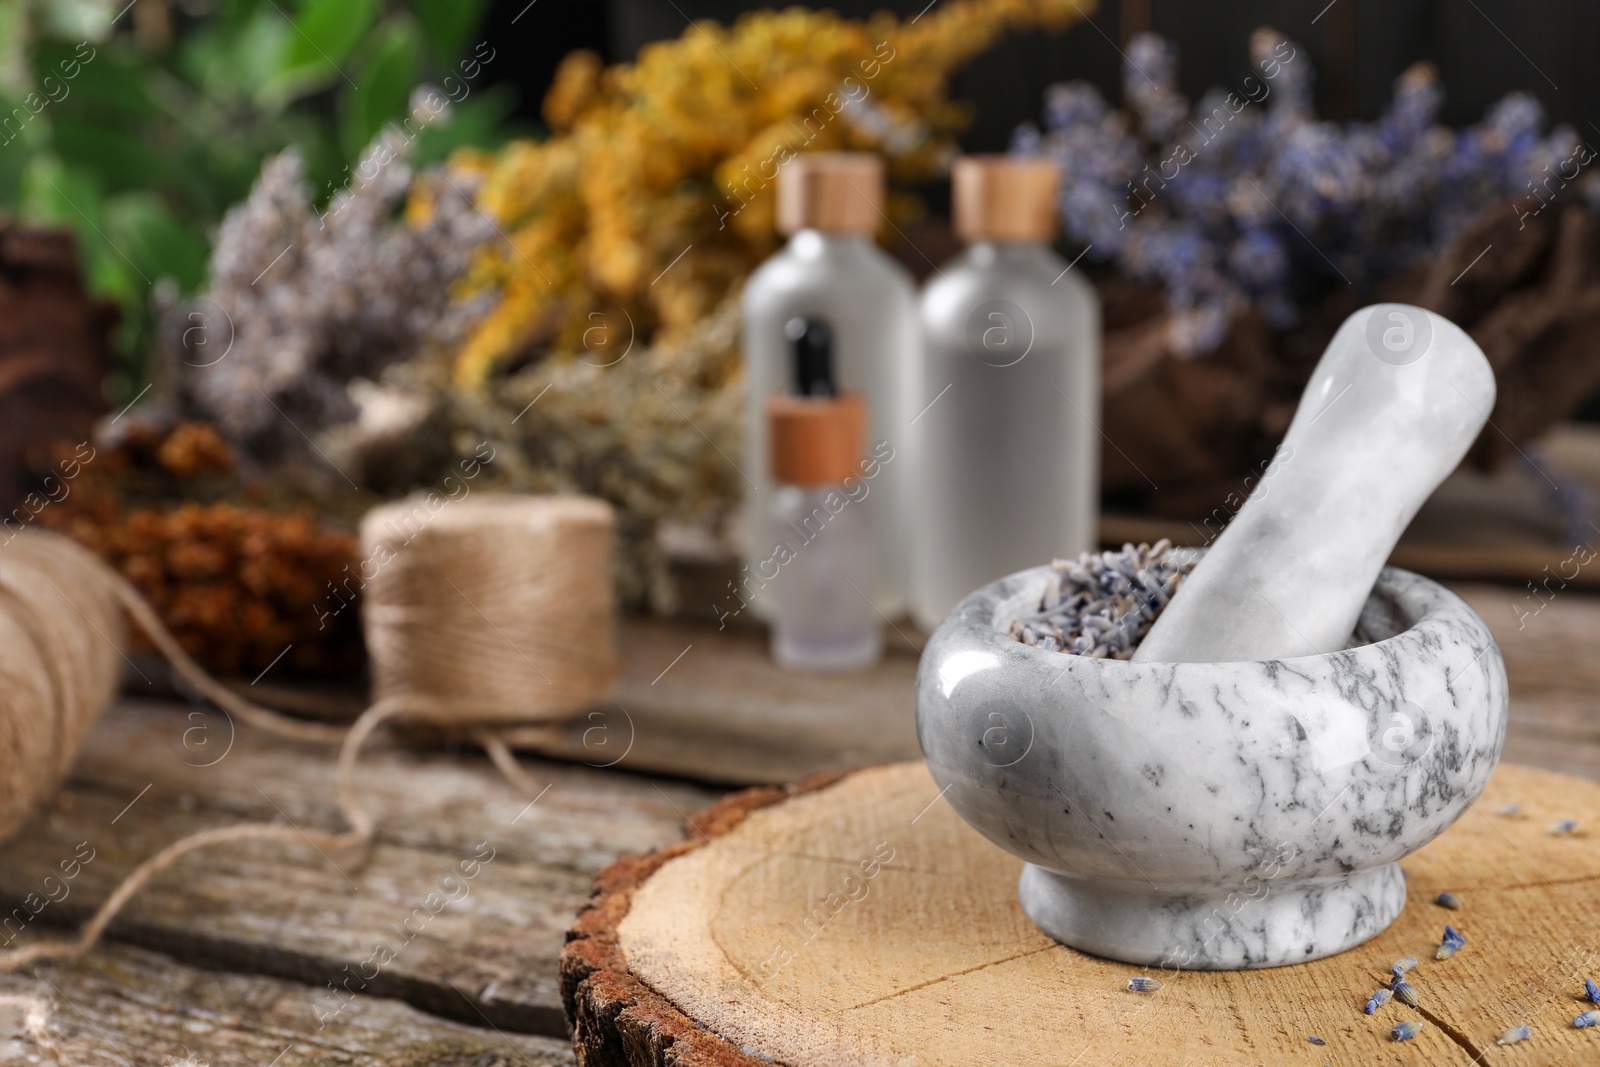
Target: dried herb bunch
[300, 303]
[235, 584]
[652, 433]
[668, 162]
[1235, 232]
[1245, 199]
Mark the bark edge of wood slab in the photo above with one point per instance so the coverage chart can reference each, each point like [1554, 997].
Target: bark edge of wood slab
[617, 1020]
[687, 923]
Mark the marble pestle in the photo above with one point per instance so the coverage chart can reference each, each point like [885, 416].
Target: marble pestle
[1393, 406]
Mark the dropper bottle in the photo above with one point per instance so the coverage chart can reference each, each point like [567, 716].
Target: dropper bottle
[820, 536]
[829, 205]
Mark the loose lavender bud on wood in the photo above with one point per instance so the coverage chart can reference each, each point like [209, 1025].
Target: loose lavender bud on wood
[1591, 991]
[1515, 1035]
[1564, 828]
[1143, 984]
[1378, 1000]
[1587, 1019]
[1453, 940]
[1406, 1031]
[1405, 993]
[1448, 900]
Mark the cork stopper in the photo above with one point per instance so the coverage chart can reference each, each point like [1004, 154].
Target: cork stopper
[816, 440]
[1005, 198]
[836, 192]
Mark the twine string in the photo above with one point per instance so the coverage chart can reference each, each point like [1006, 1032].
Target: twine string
[533, 574]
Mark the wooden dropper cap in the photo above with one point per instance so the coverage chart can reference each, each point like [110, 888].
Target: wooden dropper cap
[835, 192]
[816, 440]
[815, 434]
[1005, 198]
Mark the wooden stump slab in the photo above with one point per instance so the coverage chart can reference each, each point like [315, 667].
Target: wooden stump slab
[859, 920]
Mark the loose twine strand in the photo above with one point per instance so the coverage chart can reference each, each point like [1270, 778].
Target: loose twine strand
[71, 670]
[351, 740]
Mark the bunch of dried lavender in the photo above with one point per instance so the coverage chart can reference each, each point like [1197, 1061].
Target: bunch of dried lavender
[300, 304]
[1246, 199]
[1102, 604]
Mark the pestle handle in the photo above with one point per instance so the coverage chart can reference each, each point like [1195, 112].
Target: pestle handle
[1393, 406]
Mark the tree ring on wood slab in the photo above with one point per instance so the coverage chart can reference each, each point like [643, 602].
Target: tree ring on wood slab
[857, 919]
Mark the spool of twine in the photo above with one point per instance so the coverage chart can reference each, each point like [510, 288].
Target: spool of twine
[61, 635]
[62, 641]
[490, 611]
[489, 614]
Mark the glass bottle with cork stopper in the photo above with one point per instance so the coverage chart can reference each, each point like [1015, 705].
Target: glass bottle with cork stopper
[830, 204]
[1006, 448]
[820, 536]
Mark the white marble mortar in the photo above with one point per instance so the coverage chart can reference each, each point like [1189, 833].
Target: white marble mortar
[1214, 815]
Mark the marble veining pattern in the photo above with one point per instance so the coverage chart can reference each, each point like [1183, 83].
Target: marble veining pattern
[1215, 814]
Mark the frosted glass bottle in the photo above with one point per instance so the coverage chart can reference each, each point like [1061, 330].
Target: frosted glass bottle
[833, 270]
[1007, 395]
[821, 532]
[820, 622]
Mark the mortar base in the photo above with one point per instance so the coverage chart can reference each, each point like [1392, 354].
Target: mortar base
[1266, 924]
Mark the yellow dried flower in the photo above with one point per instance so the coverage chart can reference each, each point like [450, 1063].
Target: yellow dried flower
[654, 195]
[576, 85]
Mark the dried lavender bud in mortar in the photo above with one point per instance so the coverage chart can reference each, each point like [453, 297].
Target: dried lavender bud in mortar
[1102, 603]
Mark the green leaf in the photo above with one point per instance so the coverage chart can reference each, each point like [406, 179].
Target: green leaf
[63, 196]
[122, 158]
[449, 24]
[94, 74]
[54, 194]
[23, 126]
[229, 59]
[13, 161]
[325, 33]
[387, 79]
[144, 228]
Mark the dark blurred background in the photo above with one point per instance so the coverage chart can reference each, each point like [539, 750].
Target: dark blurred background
[1483, 49]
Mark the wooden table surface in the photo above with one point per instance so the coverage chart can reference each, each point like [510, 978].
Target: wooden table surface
[280, 956]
